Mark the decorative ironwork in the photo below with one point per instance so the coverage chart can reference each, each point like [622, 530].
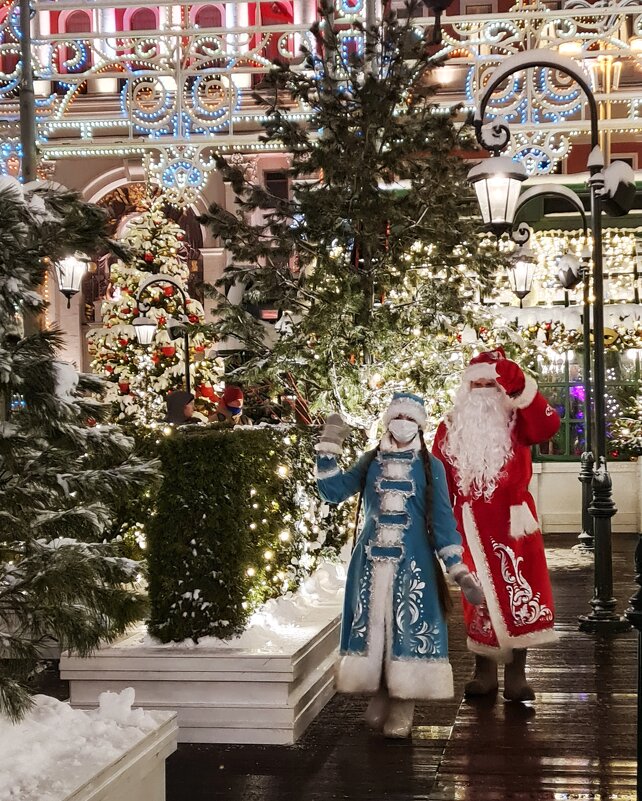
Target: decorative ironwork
[172, 91]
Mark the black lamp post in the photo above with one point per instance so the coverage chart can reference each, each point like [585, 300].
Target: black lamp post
[495, 137]
[570, 274]
[145, 327]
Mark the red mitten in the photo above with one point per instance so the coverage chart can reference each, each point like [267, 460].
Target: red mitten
[510, 377]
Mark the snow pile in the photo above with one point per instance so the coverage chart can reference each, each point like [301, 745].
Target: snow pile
[281, 623]
[574, 558]
[56, 749]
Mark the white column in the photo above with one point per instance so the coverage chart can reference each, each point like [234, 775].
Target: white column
[106, 24]
[42, 27]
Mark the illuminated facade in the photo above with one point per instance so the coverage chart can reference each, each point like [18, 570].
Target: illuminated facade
[129, 92]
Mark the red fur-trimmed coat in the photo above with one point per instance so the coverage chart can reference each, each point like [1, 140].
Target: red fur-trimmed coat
[503, 543]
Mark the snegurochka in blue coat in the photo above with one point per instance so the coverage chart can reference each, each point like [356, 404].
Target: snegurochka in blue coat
[394, 638]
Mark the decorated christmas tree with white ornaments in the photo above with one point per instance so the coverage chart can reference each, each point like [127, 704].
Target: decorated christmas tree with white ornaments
[143, 375]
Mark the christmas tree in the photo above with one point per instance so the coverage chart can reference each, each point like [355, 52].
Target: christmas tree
[143, 375]
[61, 467]
[377, 250]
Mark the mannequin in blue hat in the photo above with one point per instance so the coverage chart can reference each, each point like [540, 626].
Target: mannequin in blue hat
[394, 639]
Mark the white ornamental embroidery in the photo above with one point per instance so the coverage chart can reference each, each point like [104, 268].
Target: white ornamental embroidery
[408, 615]
[526, 606]
[359, 624]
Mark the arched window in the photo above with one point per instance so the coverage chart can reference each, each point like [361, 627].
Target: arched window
[77, 59]
[143, 19]
[208, 17]
[276, 14]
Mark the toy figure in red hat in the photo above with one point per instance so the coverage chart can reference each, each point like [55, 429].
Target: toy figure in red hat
[484, 444]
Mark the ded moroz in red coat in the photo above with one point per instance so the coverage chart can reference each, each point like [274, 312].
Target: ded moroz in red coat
[503, 543]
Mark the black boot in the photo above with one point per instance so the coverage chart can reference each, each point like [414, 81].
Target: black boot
[516, 688]
[484, 680]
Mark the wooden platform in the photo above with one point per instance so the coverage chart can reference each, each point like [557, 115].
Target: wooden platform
[577, 741]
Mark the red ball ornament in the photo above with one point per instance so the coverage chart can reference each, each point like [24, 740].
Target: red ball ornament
[123, 342]
[193, 318]
[109, 368]
[199, 348]
[123, 386]
[149, 257]
[91, 422]
[162, 320]
[135, 312]
[155, 358]
[168, 291]
[180, 237]
[168, 350]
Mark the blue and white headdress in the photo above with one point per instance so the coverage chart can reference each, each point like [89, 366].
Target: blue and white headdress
[407, 404]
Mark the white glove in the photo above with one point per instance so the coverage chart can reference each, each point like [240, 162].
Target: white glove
[471, 588]
[333, 434]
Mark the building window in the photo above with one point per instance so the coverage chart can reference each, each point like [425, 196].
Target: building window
[276, 183]
[143, 19]
[562, 385]
[475, 8]
[208, 17]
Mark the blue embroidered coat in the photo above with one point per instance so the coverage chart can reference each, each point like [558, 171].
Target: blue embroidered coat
[392, 624]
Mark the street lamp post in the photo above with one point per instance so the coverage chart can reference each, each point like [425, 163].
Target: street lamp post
[570, 275]
[495, 137]
[145, 327]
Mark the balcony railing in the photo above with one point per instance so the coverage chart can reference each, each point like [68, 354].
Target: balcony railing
[179, 90]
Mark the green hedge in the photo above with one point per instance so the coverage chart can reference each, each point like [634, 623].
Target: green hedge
[237, 521]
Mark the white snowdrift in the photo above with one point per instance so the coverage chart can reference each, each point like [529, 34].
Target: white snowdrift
[280, 623]
[56, 749]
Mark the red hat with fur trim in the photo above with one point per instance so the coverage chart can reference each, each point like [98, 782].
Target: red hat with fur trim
[483, 365]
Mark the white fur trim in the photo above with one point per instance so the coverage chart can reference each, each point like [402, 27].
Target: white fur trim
[527, 395]
[504, 656]
[522, 522]
[390, 535]
[456, 571]
[504, 639]
[419, 679]
[396, 469]
[328, 448]
[361, 673]
[392, 502]
[475, 372]
[409, 407]
[357, 674]
[321, 474]
[450, 550]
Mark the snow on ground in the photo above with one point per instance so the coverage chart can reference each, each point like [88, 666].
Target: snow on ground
[56, 749]
[281, 624]
[574, 558]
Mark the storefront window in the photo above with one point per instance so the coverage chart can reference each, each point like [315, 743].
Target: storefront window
[562, 385]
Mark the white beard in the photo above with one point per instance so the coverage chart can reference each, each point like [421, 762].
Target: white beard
[478, 440]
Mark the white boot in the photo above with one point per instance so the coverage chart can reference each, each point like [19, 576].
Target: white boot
[399, 720]
[378, 709]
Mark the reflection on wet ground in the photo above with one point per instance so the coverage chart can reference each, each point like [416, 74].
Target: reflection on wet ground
[576, 742]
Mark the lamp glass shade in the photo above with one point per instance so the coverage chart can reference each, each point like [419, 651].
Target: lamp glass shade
[145, 329]
[69, 274]
[521, 275]
[497, 183]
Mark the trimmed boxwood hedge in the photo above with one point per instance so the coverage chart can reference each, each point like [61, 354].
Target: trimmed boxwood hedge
[217, 543]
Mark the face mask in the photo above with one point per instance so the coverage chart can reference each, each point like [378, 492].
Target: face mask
[403, 430]
[234, 410]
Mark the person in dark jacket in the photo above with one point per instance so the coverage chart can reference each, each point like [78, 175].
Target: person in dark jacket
[180, 408]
